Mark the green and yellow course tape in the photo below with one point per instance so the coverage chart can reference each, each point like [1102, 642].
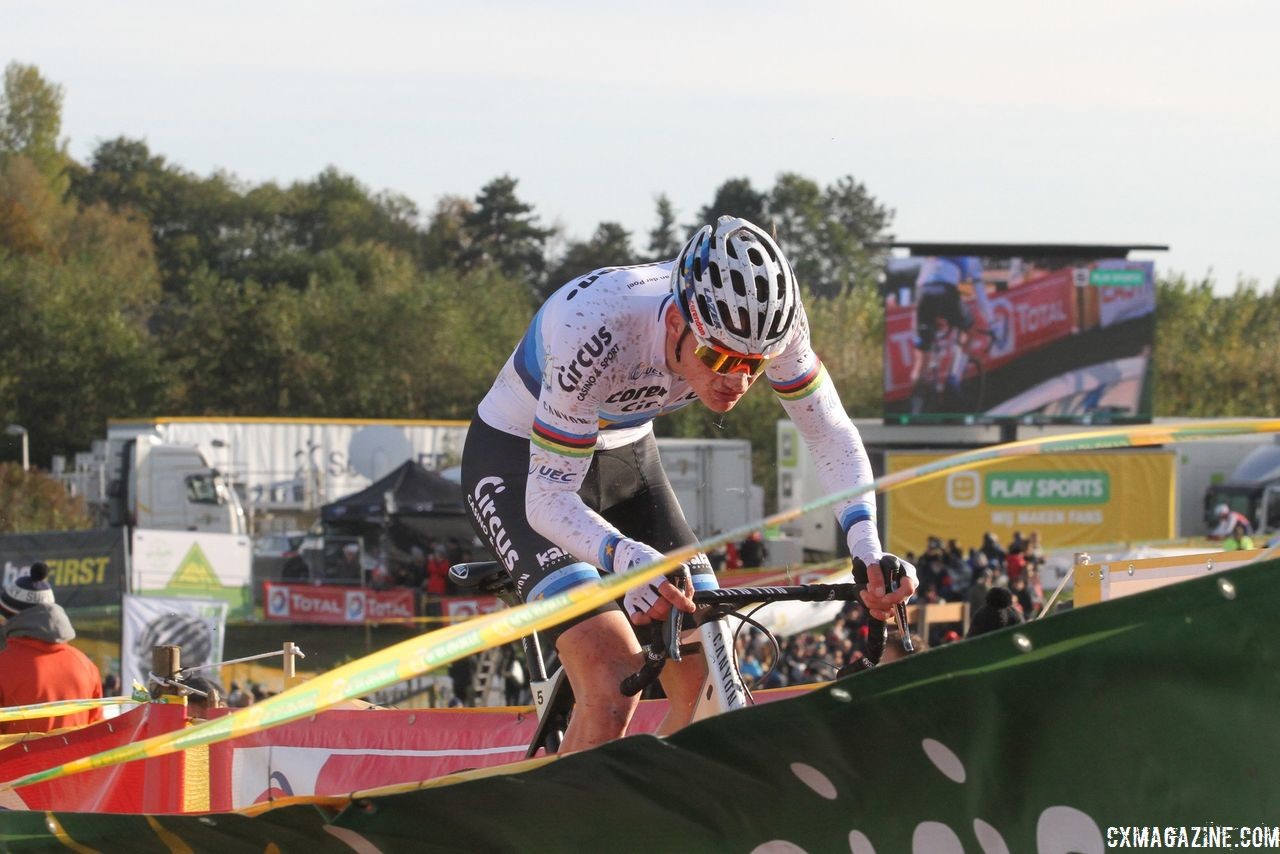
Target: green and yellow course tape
[59, 708]
[428, 651]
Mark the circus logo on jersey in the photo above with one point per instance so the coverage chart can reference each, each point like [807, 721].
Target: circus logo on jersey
[481, 504]
[571, 374]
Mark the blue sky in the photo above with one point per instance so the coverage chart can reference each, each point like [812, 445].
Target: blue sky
[1128, 121]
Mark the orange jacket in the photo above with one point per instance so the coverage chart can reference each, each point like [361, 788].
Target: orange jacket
[35, 671]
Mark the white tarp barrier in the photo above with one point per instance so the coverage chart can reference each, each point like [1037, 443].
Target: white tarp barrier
[198, 626]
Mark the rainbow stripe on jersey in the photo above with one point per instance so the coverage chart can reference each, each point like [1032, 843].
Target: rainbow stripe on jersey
[558, 441]
[803, 385]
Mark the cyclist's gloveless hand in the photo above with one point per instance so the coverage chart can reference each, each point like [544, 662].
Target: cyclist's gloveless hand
[880, 603]
[651, 600]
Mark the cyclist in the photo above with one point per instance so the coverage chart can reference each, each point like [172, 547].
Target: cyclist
[561, 469]
[1227, 519]
[938, 285]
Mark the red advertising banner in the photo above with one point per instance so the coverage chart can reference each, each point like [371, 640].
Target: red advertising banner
[153, 785]
[1025, 318]
[341, 751]
[335, 605]
[458, 608]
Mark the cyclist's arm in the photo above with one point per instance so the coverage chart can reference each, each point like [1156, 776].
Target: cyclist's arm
[558, 460]
[811, 401]
[560, 453]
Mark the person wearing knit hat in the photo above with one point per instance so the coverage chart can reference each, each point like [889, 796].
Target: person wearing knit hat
[37, 664]
[997, 613]
[27, 590]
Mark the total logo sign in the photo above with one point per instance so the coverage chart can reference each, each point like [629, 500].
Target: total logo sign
[304, 603]
[355, 606]
[278, 602]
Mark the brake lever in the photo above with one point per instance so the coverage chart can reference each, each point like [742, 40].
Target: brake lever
[893, 578]
[891, 569]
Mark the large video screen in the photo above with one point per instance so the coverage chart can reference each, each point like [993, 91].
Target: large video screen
[973, 339]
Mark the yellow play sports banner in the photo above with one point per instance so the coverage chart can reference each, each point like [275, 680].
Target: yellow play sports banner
[428, 651]
[1074, 499]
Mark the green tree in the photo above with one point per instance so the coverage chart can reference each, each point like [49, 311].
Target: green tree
[829, 235]
[1215, 356]
[735, 197]
[610, 246]
[502, 232]
[32, 501]
[79, 349]
[471, 338]
[446, 241]
[664, 241]
[192, 221]
[31, 120]
[848, 335]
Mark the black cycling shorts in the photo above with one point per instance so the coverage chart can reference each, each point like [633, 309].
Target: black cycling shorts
[627, 486]
[939, 300]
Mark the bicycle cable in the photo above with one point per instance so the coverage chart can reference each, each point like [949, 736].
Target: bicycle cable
[746, 619]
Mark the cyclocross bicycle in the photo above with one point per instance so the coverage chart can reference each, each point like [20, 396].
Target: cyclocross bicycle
[722, 689]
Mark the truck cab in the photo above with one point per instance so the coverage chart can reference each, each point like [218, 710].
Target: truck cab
[172, 487]
[1253, 489]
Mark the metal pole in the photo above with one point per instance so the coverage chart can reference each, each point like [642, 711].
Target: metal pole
[19, 430]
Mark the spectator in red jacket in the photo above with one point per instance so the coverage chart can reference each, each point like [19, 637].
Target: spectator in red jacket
[37, 665]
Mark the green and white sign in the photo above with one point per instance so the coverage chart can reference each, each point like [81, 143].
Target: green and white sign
[1118, 278]
[1048, 487]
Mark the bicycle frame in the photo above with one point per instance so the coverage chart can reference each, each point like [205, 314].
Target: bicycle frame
[722, 688]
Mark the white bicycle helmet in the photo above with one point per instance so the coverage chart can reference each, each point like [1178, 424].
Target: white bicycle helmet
[736, 288]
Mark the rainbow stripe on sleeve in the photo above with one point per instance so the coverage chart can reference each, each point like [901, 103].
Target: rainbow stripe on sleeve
[803, 385]
[557, 441]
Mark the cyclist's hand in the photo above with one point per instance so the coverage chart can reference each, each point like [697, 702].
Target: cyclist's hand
[880, 603]
[650, 600]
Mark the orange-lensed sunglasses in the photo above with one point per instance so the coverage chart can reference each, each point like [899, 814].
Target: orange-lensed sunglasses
[729, 363]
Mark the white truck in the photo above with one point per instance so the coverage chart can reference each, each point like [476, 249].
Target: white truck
[285, 469]
[290, 467]
[712, 480]
[144, 482]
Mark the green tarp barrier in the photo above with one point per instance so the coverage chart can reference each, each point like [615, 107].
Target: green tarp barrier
[1079, 731]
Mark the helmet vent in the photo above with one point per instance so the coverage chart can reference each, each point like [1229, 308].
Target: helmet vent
[739, 283]
[713, 270]
[762, 289]
[767, 248]
[704, 308]
[753, 254]
[742, 328]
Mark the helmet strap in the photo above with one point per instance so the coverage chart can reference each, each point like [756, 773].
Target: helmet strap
[684, 333]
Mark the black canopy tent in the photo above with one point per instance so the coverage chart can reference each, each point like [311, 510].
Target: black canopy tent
[408, 507]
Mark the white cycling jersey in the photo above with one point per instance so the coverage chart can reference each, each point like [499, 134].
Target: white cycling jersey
[591, 372]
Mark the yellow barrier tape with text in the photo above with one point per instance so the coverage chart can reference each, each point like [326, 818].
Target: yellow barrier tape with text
[58, 708]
